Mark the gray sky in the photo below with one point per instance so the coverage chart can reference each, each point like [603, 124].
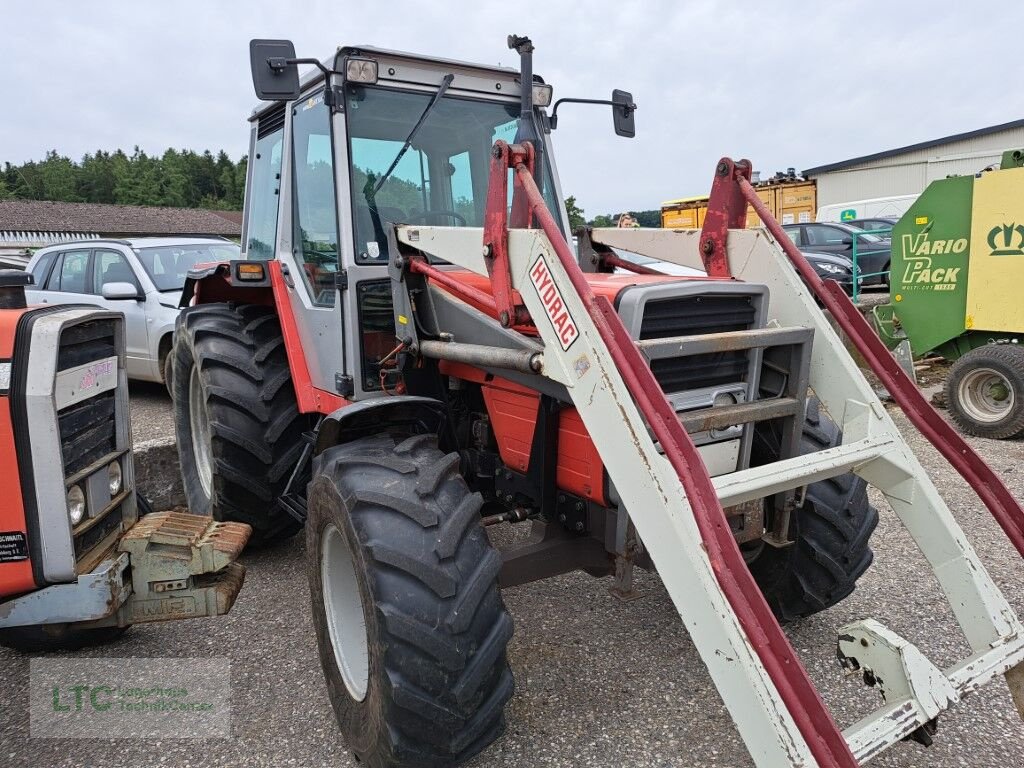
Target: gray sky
[782, 83]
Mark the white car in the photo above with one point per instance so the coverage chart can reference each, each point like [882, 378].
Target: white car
[141, 277]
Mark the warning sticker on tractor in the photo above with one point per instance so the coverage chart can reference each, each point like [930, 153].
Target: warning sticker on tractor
[554, 305]
[13, 546]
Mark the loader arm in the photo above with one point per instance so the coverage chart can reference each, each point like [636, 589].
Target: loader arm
[677, 508]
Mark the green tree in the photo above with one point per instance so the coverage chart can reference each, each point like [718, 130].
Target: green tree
[173, 184]
[604, 220]
[96, 178]
[5, 193]
[58, 178]
[648, 218]
[576, 216]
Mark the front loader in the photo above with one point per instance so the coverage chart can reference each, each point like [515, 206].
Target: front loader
[412, 352]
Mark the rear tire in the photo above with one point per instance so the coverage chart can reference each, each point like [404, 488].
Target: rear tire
[985, 391]
[830, 531]
[44, 638]
[410, 625]
[238, 426]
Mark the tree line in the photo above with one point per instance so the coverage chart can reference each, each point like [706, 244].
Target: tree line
[577, 217]
[180, 178]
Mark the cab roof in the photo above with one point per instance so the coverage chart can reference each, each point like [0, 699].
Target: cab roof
[402, 67]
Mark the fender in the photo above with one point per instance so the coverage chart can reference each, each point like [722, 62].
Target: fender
[212, 283]
[406, 414]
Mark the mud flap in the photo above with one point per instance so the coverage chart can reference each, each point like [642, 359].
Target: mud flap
[182, 566]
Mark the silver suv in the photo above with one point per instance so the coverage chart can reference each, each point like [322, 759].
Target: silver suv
[141, 277]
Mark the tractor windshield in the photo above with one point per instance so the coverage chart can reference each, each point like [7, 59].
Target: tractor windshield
[441, 180]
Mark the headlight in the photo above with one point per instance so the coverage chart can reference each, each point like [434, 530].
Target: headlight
[114, 477]
[832, 269]
[723, 399]
[358, 70]
[76, 504]
[542, 95]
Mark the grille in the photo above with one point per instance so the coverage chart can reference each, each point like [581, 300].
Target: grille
[90, 537]
[270, 122]
[86, 343]
[694, 315]
[691, 315]
[87, 432]
[88, 429]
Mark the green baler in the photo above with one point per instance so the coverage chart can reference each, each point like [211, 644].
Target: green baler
[957, 286]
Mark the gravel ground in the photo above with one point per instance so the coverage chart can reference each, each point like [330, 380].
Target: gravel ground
[599, 683]
[151, 411]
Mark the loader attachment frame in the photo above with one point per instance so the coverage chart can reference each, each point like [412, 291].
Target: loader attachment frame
[678, 509]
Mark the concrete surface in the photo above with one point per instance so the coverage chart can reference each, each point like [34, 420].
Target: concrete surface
[599, 683]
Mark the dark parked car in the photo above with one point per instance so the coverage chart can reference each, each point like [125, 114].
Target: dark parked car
[830, 266]
[874, 224]
[837, 239]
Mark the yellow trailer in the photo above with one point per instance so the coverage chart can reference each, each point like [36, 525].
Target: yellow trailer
[790, 203]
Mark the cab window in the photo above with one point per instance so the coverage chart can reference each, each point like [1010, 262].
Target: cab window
[265, 188]
[315, 214]
[441, 177]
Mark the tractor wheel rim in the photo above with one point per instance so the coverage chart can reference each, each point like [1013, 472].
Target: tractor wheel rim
[200, 429]
[346, 623]
[986, 395]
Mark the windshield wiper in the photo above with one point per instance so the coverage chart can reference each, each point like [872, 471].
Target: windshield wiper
[415, 129]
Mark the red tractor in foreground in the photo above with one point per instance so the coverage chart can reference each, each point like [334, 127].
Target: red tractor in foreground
[79, 562]
[412, 351]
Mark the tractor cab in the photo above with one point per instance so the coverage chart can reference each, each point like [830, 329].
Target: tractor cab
[368, 139]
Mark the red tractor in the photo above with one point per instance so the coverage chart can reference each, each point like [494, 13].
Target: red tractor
[412, 350]
[78, 565]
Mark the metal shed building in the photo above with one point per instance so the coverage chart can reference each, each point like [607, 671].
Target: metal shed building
[908, 170]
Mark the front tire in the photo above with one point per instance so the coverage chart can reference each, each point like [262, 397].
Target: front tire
[830, 532]
[410, 625]
[238, 426]
[985, 391]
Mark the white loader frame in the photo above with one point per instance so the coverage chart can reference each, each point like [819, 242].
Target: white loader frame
[916, 691]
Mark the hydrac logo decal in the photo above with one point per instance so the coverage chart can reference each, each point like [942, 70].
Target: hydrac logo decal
[554, 305]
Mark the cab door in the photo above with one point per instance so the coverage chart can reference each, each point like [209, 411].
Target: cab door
[309, 248]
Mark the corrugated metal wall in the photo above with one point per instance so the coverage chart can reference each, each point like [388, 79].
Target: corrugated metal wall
[910, 173]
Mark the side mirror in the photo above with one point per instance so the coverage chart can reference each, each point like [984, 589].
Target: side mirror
[847, 240]
[623, 109]
[120, 292]
[272, 76]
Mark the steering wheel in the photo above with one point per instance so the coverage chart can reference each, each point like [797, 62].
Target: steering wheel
[426, 216]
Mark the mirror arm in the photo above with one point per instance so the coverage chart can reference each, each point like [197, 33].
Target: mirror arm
[553, 120]
[278, 63]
